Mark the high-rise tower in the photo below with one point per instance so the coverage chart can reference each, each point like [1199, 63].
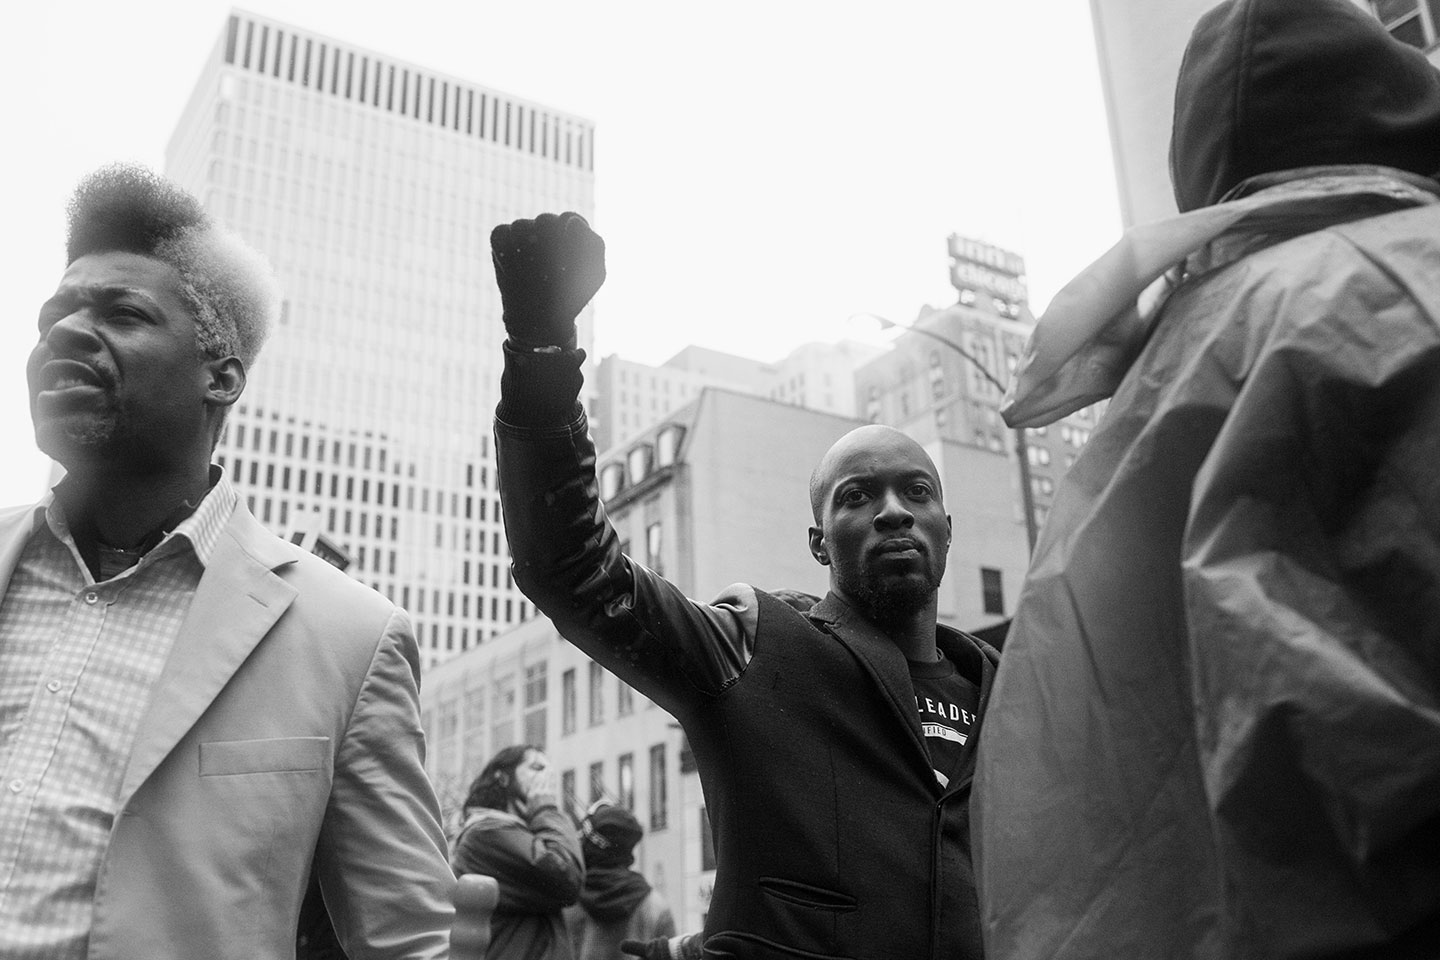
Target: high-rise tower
[372, 185]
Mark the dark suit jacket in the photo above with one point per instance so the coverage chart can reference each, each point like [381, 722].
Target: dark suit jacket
[833, 837]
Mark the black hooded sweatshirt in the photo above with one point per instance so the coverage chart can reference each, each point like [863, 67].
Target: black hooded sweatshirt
[1271, 85]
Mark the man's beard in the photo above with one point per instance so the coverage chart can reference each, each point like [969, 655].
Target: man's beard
[74, 439]
[888, 600]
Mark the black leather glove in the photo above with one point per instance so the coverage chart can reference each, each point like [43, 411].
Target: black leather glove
[547, 269]
[657, 949]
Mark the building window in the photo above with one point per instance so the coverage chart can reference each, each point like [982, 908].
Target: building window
[659, 810]
[652, 549]
[983, 351]
[597, 781]
[1409, 21]
[567, 791]
[707, 842]
[937, 376]
[612, 479]
[667, 445]
[992, 591]
[536, 693]
[639, 460]
[567, 702]
[536, 686]
[231, 29]
[502, 721]
[626, 784]
[597, 694]
[624, 698]
[536, 728]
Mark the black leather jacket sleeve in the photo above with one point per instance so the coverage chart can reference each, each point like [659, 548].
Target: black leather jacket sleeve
[567, 559]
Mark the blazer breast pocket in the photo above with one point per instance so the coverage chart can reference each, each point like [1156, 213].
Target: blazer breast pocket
[228, 758]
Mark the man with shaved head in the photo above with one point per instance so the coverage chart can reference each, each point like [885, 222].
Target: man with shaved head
[835, 747]
[886, 558]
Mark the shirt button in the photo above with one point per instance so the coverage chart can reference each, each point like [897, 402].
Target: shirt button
[91, 596]
[16, 785]
[53, 686]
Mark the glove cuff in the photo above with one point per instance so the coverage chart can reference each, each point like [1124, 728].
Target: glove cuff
[561, 334]
[540, 386]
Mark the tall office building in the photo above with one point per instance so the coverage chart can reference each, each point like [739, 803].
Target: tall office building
[372, 185]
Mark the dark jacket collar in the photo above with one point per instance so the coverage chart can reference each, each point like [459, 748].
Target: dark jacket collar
[885, 663]
[966, 652]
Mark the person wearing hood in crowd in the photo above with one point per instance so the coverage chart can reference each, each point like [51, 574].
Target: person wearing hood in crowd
[1216, 727]
[616, 902]
[515, 832]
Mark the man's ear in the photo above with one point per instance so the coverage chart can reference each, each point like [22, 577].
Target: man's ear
[817, 547]
[226, 381]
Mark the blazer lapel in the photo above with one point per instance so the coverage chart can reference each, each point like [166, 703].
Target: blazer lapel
[881, 659]
[16, 527]
[238, 601]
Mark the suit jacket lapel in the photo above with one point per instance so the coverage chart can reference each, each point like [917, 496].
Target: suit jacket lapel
[238, 601]
[881, 659]
[16, 527]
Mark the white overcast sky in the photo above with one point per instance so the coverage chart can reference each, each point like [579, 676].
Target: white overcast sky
[765, 168]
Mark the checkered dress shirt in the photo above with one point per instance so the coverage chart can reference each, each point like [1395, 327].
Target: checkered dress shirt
[78, 661]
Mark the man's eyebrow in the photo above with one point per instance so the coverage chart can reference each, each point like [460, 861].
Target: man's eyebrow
[94, 293]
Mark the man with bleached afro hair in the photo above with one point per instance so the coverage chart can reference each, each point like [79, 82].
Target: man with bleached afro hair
[229, 286]
[197, 716]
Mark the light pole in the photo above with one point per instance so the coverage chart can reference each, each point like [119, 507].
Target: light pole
[1022, 449]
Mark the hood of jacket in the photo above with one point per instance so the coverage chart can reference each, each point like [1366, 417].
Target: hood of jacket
[612, 893]
[1269, 85]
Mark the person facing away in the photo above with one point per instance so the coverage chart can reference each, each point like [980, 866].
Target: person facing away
[192, 711]
[1216, 727]
[515, 832]
[616, 902]
[835, 748]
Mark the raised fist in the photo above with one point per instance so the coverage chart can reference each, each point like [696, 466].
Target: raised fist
[547, 270]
